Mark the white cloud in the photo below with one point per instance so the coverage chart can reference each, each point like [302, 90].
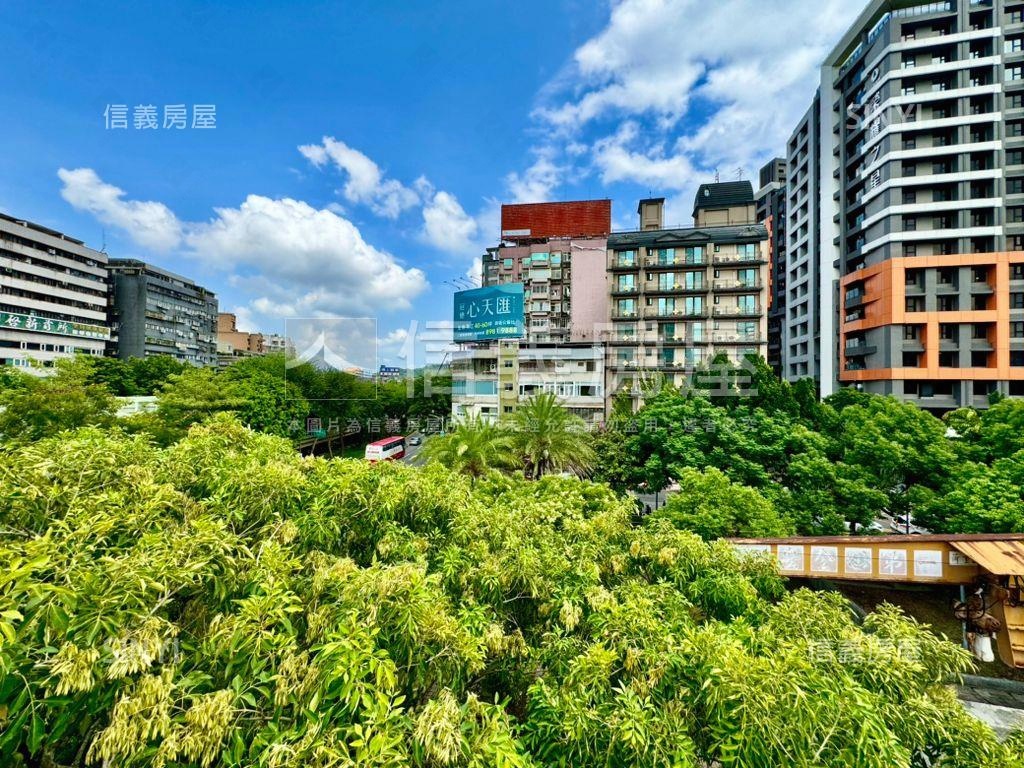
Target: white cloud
[152, 225]
[296, 260]
[446, 226]
[700, 85]
[366, 182]
[307, 259]
[537, 182]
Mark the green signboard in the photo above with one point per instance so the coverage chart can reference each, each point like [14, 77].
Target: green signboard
[489, 313]
[49, 325]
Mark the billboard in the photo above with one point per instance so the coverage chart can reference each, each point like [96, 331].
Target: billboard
[580, 218]
[489, 313]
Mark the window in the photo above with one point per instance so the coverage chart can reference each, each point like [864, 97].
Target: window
[626, 283]
[625, 258]
[910, 333]
[979, 331]
[1017, 301]
[1015, 157]
[1015, 186]
[948, 359]
[949, 303]
[1014, 73]
[1017, 358]
[1015, 214]
[1017, 329]
[948, 331]
[1017, 271]
[910, 359]
[909, 249]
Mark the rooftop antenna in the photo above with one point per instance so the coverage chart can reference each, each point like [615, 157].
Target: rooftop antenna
[739, 174]
[103, 236]
[716, 175]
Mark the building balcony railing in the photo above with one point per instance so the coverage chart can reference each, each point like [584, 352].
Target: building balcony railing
[737, 311]
[737, 338]
[624, 265]
[737, 285]
[621, 314]
[675, 313]
[677, 261]
[739, 258]
[675, 288]
[624, 290]
[860, 350]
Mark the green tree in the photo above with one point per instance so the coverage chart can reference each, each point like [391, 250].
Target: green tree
[223, 601]
[473, 448]
[549, 438]
[713, 507]
[42, 406]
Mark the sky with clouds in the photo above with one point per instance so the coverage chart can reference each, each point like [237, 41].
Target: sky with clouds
[362, 149]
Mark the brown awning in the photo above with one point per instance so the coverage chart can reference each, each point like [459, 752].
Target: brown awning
[1003, 558]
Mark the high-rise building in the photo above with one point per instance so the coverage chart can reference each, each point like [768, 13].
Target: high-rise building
[771, 211]
[557, 251]
[156, 312]
[920, 147]
[680, 296]
[53, 296]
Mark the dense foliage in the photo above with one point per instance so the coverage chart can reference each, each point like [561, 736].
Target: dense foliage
[825, 467]
[258, 390]
[223, 601]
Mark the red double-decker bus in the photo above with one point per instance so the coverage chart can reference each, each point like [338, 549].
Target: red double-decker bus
[388, 449]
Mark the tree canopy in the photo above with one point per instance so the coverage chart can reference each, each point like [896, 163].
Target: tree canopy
[223, 601]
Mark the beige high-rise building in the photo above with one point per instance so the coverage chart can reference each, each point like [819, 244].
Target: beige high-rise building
[681, 296]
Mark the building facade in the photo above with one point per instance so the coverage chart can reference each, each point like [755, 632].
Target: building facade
[921, 153]
[771, 212]
[681, 296]
[53, 296]
[233, 343]
[156, 312]
[557, 251]
[489, 381]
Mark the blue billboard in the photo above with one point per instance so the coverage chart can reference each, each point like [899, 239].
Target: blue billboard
[489, 313]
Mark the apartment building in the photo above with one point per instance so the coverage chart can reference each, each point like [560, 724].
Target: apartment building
[771, 212]
[156, 312]
[556, 250]
[921, 152]
[233, 343]
[53, 296]
[680, 296]
[489, 381]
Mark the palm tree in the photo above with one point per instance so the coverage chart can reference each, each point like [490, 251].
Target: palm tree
[473, 448]
[550, 439]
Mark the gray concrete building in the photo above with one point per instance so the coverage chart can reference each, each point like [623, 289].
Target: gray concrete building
[920, 248]
[771, 212]
[156, 312]
[53, 296]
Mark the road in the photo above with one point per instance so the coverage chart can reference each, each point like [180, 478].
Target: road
[412, 452]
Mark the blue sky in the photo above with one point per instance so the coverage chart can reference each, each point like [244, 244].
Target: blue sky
[362, 148]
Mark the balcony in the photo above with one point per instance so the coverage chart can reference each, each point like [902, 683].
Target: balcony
[914, 288]
[668, 314]
[677, 261]
[624, 314]
[737, 338]
[739, 258]
[674, 288]
[737, 311]
[624, 265]
[854, 298]
[860, 349]
[737, 285]
[981, 289]
[624, 290]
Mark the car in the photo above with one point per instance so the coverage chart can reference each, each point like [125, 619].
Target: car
[415, 440]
